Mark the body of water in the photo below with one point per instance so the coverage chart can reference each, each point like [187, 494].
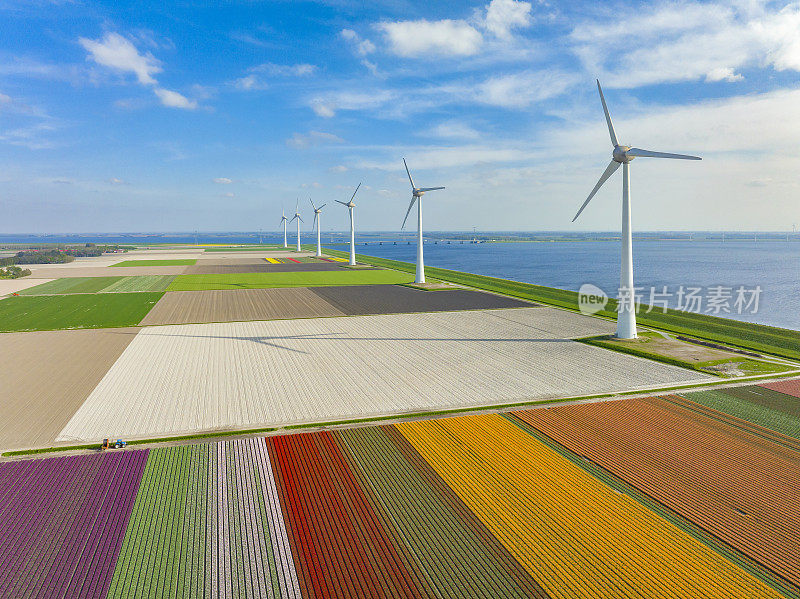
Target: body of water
[773, 265]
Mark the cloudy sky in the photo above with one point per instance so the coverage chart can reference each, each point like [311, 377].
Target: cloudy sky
[186, 116]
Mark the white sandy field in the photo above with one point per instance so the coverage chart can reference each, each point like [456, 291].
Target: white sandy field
[185, 378]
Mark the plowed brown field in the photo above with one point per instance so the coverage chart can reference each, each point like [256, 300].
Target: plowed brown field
[183, 307]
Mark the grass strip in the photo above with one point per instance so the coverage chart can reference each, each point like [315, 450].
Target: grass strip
[745, 364]
[761, 338]
[19, 452]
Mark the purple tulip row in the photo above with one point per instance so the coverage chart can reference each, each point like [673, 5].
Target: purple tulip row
[62, 521]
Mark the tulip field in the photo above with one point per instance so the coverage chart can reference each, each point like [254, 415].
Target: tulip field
[470, 506]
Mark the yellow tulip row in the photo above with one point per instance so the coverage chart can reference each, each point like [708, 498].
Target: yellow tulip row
[574, 534]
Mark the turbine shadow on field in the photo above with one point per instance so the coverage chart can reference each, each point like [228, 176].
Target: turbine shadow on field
[272, 341]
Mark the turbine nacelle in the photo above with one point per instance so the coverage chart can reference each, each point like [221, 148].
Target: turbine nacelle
[620, 154]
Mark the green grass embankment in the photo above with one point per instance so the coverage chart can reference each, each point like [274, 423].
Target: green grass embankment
[761, 338]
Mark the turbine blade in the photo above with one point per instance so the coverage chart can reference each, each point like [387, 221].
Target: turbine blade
[410, 206]
[430, 188]
[608, 116]
[648, 154]
[314, 224]
[355, 192]
[610, 169]
[321, 207]
[294, 217]
[341, 202]
[312, 204]
[408, 173]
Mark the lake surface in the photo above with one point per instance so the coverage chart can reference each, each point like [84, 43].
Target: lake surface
[773, 265]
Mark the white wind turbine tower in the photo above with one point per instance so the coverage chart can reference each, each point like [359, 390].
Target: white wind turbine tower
[317, 212]
[284, 220]
[416, 194]
[626, 315]
[299, 220]
[350, 205]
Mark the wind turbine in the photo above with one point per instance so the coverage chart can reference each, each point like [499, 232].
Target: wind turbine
[626, 310]
[284, 220]
[299, 220]
[416, 194]
[317, 212]
[350, 205]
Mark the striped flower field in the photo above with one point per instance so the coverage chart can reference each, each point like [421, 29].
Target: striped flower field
[473, 506]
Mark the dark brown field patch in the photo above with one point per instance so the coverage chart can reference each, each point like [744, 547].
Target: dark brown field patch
[238, 305]
[47, 375]
[397, 299]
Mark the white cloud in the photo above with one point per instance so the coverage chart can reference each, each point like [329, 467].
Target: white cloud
[312, 138]
[328, 105]
[116, 181]
[502, 16]
[173, 99]
[690, 41]
[520, 90]
[223, 180]
[361, 46]
[284, 70]
[447, 37]
[339, 168]
[229, 194]
[117, 53]
[4, 99]
[249, 82]
[723, 74]
[323, 109]
[254, 80]
[452, 130]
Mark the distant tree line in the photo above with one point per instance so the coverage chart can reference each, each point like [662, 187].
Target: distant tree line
[13, 272]
[59, 255]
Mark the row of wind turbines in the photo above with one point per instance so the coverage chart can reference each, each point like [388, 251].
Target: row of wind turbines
[621, 155]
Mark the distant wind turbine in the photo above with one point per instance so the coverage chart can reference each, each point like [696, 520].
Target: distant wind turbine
[416, 194]
[284, 220]
[317, 212]
[299, 220]
[626, 314]
[350, 205]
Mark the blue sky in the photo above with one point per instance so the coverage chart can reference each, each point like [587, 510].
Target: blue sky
[211, 116]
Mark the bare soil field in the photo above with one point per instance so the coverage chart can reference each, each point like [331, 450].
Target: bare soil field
[260, 267]
[47, 375]
[179, 307]
[54, 272]
[203, 377]
[16, 285]
[389, 299]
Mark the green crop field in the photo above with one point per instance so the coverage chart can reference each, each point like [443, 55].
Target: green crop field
[762, 338]
[250, 248]
[762, 415]
[71, 285]
[155, 263]
[263, 280]
[78, 311]
[136, 284]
